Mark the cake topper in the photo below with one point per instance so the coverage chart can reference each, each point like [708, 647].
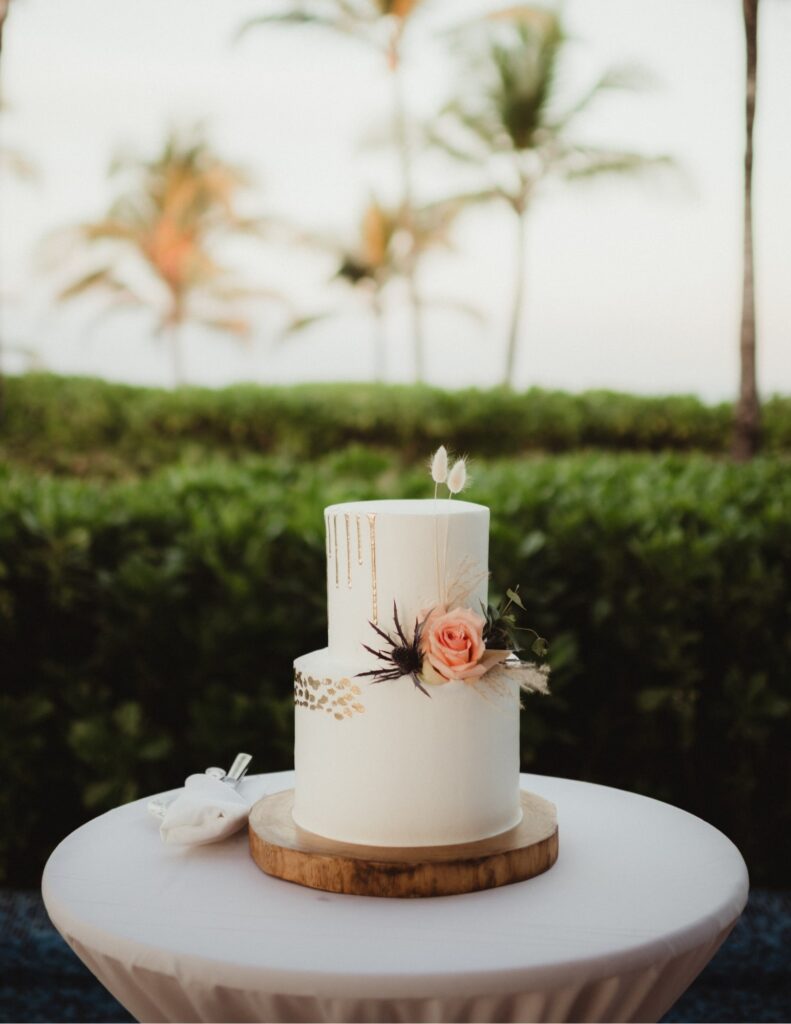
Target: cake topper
[439, 467]
[454, 477]
[457, 477]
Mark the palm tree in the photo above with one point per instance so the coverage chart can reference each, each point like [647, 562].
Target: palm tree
[369, 267]
[13, 161]
[376, 258]
[381, 24]
[4, 5]
[155, 246]
[3, 15]
[509, 121]
[747, 426]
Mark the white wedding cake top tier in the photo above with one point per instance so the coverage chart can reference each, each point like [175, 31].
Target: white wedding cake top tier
[411, 552]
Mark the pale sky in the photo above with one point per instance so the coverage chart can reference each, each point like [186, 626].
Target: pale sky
[630, 285]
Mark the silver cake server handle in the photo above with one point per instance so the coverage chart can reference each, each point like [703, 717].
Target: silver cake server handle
[159, 805]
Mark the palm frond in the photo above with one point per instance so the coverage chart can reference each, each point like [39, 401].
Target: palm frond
[361, 10]
[621, 78]
[463, 149]
[531, 16]
[476, 197]
[354, 271]
[303, 323]
[102, 279]
[400, 9]
[243, 293]
[296, 17]
[456, 306]
[585, 162]
[482, 125]
[238, 326]
[513, 68]
[537, 18]
[526, 66]
[342, 23]
[108, 230]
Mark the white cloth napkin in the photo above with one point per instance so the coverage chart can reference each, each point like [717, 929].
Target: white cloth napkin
[206, 810]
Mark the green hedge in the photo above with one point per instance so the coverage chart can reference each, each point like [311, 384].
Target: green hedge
[88, 426]
[147, 629]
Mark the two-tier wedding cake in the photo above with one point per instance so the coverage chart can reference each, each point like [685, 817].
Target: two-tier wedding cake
[407, 723]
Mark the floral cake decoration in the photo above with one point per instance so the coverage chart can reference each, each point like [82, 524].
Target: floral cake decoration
[452, 642]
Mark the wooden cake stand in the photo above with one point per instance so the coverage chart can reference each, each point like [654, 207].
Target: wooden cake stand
[281, 848]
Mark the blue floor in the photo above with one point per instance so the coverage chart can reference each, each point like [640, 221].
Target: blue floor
[42, 980]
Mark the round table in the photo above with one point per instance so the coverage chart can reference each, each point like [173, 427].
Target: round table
[640, 899]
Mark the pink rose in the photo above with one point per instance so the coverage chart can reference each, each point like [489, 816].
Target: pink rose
[452, 644]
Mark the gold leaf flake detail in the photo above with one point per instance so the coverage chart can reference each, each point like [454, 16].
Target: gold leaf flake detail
[334, 697]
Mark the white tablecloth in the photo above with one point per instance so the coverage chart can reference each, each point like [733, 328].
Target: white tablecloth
[639, 900]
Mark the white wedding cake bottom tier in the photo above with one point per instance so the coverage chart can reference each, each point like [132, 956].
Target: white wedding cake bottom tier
[382, 764]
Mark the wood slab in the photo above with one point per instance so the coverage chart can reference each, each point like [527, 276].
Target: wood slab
[282, 849]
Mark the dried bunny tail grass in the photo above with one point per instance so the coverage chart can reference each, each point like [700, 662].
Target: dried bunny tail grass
[467, 577]
[439, 465]
[457, 477]
[493, 688]
[530, 678]
[497, 683]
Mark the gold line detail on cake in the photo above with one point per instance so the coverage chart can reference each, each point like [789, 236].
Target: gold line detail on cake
[335, 545]
[339, 698]
[347, 518]
[359, 542]
[374, 595]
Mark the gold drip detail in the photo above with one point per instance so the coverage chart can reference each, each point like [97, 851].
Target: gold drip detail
[335, 545]
[347, 517]
[359, 543]
[374, 595]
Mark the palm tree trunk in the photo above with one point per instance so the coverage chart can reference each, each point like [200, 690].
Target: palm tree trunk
[404, 148]
[176, 354]
[4, 5]
[379, 339]
[3, 14]
[2, 383]
[747, 426]
[517, 303]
